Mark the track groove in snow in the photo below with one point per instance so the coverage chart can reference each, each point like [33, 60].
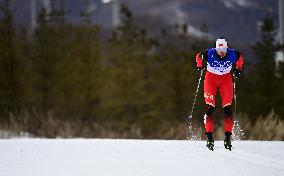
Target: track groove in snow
[97, 157]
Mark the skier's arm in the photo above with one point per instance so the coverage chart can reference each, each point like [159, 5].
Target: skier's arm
[239, 64]
[240, 60]
[201, 58]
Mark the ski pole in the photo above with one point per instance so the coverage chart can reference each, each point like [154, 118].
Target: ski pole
[194, 101]
[235, 97]
[238, 132]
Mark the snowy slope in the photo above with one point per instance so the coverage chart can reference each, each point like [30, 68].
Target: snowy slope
[95, 157]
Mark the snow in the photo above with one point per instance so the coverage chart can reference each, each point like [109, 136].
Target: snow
[107, 157]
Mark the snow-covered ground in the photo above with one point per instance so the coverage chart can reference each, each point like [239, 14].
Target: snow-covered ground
[98, 157]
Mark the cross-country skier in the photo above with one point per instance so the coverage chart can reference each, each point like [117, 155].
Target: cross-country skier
[221, 64]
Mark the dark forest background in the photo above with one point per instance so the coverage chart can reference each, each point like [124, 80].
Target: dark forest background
[66, 80]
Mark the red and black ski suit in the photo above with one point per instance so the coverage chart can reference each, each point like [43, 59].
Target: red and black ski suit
[219, 77]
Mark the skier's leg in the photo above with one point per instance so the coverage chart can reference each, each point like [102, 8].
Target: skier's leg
[228, 126]
[210, 89]
[226, 92]
[209, 121]
[210, 141]
[228, 120]
[209, 126]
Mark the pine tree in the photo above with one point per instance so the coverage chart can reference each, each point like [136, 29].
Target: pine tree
[10, 64]
[279, 91]
[87, 70]
[49, 47]
[264, 76]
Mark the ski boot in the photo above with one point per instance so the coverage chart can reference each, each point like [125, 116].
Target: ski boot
[210, 141]
[227, 141]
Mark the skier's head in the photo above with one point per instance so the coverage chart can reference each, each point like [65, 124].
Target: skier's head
[221, 46]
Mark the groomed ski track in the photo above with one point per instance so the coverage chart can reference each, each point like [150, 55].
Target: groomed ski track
[106, 157]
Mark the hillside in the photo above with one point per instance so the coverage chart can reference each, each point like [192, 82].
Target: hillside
[234, 19]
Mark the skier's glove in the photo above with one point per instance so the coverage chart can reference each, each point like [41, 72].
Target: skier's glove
[237, 73]
[200, 68]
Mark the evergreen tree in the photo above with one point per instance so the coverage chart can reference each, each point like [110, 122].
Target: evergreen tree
[87, 71]
[50, 46]
[130, 93]
[279, 91]
[10, 76]
[264, 76]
